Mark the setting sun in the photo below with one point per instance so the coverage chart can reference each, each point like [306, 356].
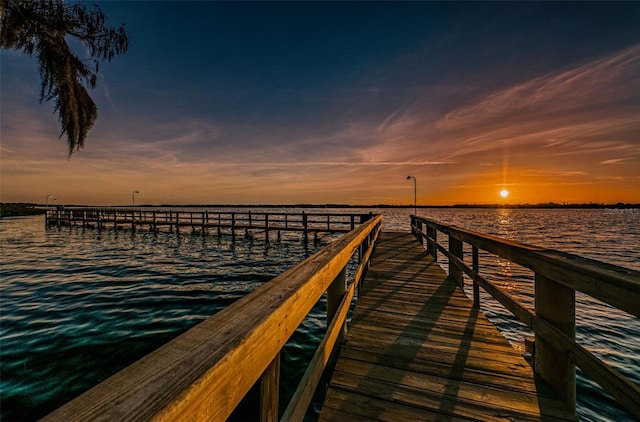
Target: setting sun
[504, 193]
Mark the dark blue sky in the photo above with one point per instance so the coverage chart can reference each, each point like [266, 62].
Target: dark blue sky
[248, 58]
[336, 102]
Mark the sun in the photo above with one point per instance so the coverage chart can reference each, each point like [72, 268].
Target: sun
[504, 193]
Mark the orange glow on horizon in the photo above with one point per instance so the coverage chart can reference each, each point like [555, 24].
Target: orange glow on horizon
[557, 153]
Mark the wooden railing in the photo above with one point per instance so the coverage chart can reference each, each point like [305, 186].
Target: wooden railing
[204, 373]
[557, 277]
[204, 220]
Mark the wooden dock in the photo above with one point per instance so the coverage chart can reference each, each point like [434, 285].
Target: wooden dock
[417, 349]
[204, 221]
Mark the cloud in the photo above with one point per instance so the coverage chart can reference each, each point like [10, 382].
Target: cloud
[610, 81]
[615, 161]
[584, 110]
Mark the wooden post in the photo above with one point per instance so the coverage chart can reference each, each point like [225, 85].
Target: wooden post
[365, 217]
[219, 223]
[269, 391]
[431, 246]
[133, 221]
[266, 227]
[115, 220]
[304, 227]
[203, 216]
[170, 222]
[368, 243]
[98, 224]
[177, 222]
[455, 247]
[476, 269]
[364, 247]
[353, 221]
[233, 224]
[335, 292]
[435, 244]
[556, 304]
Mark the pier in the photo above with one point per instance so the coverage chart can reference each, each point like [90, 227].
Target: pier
[203, 221]
[416, 347]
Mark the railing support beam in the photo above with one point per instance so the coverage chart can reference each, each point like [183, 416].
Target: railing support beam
[455, 247]
[476, 270]
[269, 391]
[432, 247]
[556, 304]
[335, 292]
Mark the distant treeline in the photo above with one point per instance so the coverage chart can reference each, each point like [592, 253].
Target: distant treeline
[13, 209]
[541, 205]
[589, 205]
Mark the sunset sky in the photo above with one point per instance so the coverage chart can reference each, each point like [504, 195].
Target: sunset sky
[287, 103]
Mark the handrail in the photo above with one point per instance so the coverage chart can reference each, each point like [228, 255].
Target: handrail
[557, 276]
[204, 373]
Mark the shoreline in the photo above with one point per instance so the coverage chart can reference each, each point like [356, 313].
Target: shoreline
[17, 209]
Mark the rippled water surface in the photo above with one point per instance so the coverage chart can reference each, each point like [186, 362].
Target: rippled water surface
[77, 305]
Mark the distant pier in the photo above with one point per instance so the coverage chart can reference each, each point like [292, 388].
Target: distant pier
[205, 221]
[416, 348]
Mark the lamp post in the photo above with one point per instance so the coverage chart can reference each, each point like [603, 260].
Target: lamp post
[46, 200]
[133, 198]
[415, 195]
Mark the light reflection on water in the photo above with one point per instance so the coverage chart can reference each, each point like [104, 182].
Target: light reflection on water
[78, 305]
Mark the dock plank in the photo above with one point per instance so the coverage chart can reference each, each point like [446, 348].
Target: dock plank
[418, 350]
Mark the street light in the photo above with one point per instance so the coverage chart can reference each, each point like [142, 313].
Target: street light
[415, 195]
[46, 200]
[133, 198]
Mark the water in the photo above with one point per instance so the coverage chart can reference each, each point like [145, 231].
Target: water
[79, 305]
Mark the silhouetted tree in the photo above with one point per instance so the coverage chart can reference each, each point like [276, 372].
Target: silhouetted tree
[43, 27]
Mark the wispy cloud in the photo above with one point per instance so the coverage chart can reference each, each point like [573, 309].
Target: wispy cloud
[585, 110]
[610, 81]
[614, 161]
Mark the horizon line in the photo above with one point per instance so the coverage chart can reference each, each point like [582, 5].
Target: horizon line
[338, 205]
